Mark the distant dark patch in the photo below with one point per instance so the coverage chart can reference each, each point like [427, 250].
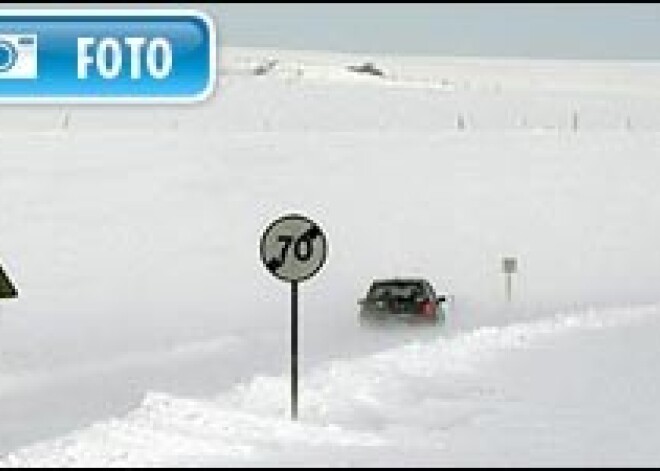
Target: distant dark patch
[263, 69]
[366, 68]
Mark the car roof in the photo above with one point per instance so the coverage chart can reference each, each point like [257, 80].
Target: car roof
[401, 280]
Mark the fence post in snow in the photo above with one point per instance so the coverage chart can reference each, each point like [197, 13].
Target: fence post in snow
[575, 121]
[460, 122]
[66, 120]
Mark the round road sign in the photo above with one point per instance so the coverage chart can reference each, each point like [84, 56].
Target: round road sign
[293, 248]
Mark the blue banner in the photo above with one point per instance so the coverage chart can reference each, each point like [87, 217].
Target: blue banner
[107, 56]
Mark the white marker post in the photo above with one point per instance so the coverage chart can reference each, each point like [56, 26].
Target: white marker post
[509, 267]
[293, 249]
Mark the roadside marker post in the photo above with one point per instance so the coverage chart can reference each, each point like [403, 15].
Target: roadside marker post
[509, 267]
[293, 249]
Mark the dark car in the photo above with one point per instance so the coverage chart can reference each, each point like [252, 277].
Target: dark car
[410, 300]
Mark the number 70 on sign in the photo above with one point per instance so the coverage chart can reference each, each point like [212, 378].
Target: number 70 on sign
[293, 248]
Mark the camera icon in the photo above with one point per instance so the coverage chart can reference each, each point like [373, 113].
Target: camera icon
[18, 56]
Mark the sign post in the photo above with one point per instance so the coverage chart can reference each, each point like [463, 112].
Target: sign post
[294, 350]
[293, 249]
[509, 267]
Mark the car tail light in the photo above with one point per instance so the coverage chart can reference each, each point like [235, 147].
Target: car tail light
[426, 309]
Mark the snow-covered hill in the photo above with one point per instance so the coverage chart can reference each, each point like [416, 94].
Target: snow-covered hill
[132, 234]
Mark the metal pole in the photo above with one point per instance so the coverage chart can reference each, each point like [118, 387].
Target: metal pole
[294, 350]
[508, 287]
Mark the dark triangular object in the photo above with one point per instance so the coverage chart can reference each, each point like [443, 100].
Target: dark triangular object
[7, 289]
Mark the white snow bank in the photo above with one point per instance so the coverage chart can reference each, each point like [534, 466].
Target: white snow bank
[397, 401]
[380, 385]
[167, 429]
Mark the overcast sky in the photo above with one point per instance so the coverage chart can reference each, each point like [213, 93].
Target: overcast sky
[574, 31]
[590, 31]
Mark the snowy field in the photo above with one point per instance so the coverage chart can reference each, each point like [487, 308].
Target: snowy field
[148, 333]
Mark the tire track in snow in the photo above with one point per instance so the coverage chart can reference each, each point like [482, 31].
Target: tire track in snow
[400, 399]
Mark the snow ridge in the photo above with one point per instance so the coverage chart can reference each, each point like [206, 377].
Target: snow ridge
[379, 394]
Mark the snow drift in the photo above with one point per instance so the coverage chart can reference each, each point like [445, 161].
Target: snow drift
[400, 402]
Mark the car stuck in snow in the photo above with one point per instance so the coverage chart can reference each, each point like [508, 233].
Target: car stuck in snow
[408, 300]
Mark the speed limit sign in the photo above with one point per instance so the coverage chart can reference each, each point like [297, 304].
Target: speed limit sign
[293, 249]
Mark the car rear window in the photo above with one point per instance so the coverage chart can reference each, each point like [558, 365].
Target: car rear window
[395, 289]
